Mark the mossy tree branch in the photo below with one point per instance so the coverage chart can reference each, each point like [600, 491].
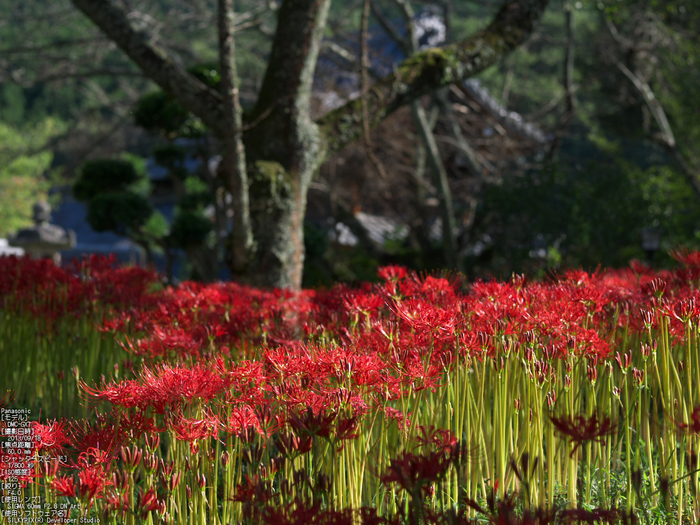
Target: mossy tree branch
[431, 69]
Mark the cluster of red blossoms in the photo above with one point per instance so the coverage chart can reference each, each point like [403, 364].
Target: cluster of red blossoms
[303, 366]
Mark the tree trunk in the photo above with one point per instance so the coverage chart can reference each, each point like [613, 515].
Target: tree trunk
[233, 162]
[284, 147]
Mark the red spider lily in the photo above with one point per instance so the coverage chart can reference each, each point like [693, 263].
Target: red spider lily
[50, 436]
[194, 429]
[291, 445]
[689, 258]
[131, 457]
[415, 473]
[581, 429]
[686, 309]
[117, 502]
[171, 481]
[64, 486]
[624, 361]
[392, 273]
[269, 422]
[398, 416]
[136, 422]
[149, 502]
[94, 456]
[168, 386]
[442, 439]
[309, 424]
[360, 302]
[120, 481]
[167, 341]
[239, 421]
[163, 388]
[152, 441]
[347, 428]
[425, 317]
[92, 481]
[166, 468]
[104, 434]
[151, 463]
[656, 287]
[123, 393]
[693, 426]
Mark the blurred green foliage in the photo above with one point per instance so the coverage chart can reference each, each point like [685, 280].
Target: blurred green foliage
[103, 176]
[118, 211]
[25, 171]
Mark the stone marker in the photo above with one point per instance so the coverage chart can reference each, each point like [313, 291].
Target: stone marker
[43, 240]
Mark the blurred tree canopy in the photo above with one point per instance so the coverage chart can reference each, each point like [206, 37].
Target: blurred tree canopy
[614, 85]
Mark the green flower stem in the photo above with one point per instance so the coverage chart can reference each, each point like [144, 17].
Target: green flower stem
[628, 446]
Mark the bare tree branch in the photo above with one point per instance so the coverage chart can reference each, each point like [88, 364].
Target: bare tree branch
[364, 87]
[652, 103]
[425, 128]
[567, 81]
[390, 29]
[201, 100]
[666, 137]
[233, 163]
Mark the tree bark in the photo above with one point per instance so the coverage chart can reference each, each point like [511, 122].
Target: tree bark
[233, 162]
[285, 144]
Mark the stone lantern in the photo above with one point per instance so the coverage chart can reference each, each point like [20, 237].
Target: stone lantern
[43, 240]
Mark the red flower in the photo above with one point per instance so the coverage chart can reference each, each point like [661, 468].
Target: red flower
[292, 445]
[309, 424]
[398, 416]
[51, 436]
[347, 428]
[693, 426]
[392, 273]
[64, 486]
[194, 429]
[413, 472]
[148, 502]
[239, 421]
[131, 457]
[688, 258]
[580, 429]
[442, 439]
[104, 434]
[118, 501]
[91, 482]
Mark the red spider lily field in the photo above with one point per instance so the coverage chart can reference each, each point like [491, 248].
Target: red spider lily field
[419, 399]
